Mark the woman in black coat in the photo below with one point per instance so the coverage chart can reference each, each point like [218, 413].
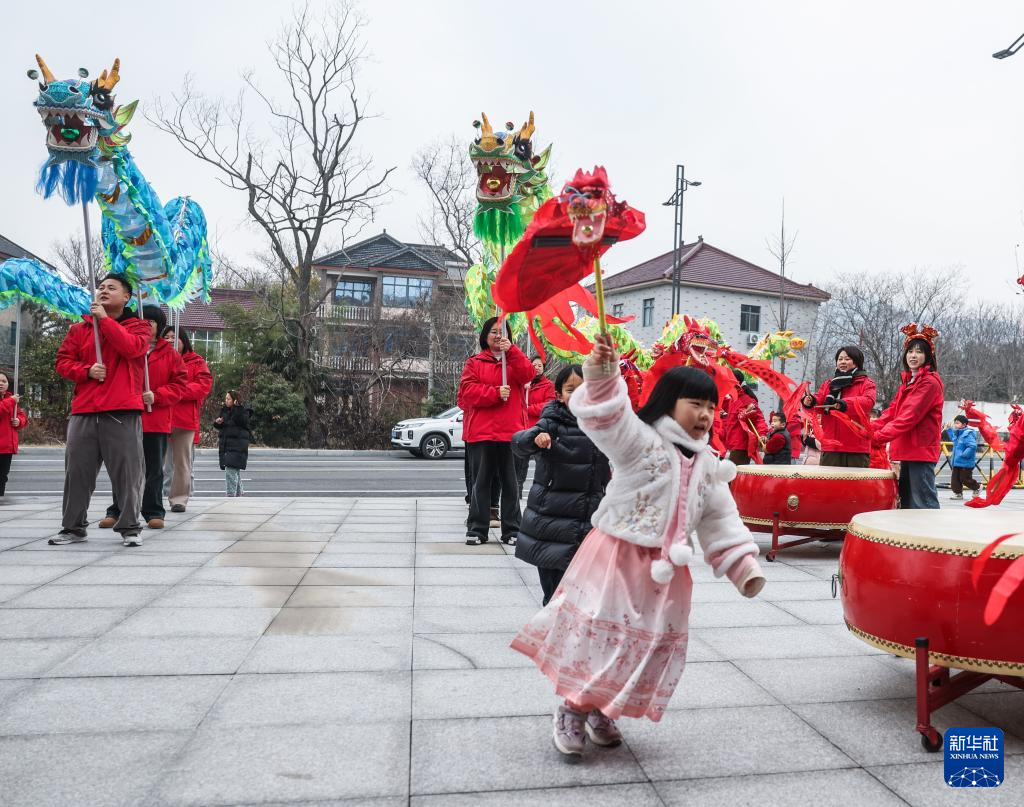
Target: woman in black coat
[233, 445]
[569, 481]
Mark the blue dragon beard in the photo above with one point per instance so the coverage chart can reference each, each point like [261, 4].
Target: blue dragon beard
[74, 180]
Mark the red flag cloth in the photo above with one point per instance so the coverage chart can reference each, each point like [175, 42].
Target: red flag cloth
[1005, 478]
[549, 257]
[988, 431]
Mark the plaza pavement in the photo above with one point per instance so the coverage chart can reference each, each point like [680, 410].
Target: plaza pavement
[355, 651]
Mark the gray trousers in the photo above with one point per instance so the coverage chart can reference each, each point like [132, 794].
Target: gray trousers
[917, 486]
[104, 439]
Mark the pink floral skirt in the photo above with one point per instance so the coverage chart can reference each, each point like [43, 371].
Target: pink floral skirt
[611, 638]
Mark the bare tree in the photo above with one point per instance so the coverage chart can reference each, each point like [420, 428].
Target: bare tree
[781, 247]
[449, 178]
[302, 175]
[72, 261]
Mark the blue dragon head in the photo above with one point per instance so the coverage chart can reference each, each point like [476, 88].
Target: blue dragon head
[82, 127]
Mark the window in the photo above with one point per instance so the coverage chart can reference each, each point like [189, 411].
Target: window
[750, 318]
[209, 344]
[406, 292]
[406, 342]
[353, 292]
[648, 319]
[617, 310]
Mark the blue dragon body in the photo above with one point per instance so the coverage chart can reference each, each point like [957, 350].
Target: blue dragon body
[162, 249]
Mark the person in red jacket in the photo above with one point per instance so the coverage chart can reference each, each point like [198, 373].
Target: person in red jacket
[106, 411]
[492, 413]
[12, 418]
[538, 393]
[185, 421]
[742, 422]
[912, 425]
[851, 393]
[166, 385]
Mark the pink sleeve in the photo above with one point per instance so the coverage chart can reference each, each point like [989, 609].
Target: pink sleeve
[598, 390]
[740, 571]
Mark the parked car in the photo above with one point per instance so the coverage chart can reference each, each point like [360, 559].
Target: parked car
[432, 437]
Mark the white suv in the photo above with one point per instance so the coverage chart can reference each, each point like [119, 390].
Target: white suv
[432, 437]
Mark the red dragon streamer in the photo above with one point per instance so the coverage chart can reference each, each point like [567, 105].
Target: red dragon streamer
[1003, 480]
[988, 431]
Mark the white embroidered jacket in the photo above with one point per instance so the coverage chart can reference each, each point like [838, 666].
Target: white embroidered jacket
[644, 489]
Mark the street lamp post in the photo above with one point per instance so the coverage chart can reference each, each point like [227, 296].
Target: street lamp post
[1017, 44]
[676, 201]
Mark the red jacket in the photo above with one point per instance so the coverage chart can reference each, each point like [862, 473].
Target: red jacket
[796, 437]
[912, 425]
[167, 378]
[538, 393]
[200, 382]
[860, 400]
[8, 431]
[736, 436]
[485, 415]
[124, 345]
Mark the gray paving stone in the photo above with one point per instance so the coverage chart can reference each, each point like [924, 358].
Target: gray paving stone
[638, 795]
[289, 536]
[71, 596]
[467, 577]
[352, 561]
[340, 621]
[252, 545]
[474, 693]
[702, 743]
[9, 687]
[8, 593]
[1003, 708]
[924, 785]
[716, 684]
[146, 558]
[165, 622]
[340, 546]
[284, 560]
[355, 596]
[244, 576]
[376, 576]
[69, 706]
[53, 623]
[171, 656]
[310, 698]
[449, 619]
[742, 613]
[465, 651]
[167, 545]
[54, 557]
[809, 589]
[814, 612]
[510, 753]
[282, 654]
[463, 562]
[476, 596]
[30, 658]
[126, 576]
[290, 763]
[822, 680]
[883, 731]
[99, 770]
[31, 575]
[188, 596]
[844, 788]
[796, 641]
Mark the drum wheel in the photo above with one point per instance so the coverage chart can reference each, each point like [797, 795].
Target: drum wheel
[770, 556]
[931, 745]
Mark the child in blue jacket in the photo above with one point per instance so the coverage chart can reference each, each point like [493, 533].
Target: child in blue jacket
[965, 455]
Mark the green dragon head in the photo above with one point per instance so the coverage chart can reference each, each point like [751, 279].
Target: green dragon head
[511, 180]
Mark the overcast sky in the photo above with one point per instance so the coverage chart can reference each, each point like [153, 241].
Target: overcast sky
[893, 135]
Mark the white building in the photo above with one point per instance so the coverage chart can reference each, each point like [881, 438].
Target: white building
[740, 296]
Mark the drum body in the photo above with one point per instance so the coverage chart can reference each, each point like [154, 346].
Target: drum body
[906, 574]
[811, 500]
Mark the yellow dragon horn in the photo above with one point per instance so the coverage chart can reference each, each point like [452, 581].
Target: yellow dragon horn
[487, 139]
[48, 77]
[528, 129]
[107, 81]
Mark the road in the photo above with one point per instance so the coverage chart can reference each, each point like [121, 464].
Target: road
[276, 472]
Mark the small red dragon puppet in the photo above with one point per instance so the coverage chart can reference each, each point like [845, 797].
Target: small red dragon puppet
[988, 431]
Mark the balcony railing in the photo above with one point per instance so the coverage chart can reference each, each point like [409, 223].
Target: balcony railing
[364, 313]
[401, 367]
[351, 313]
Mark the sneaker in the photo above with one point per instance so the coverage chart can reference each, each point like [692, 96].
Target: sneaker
[568, 735]
[602, 730]
[68, 537]
[107, 522]
[495, 518]
[155, 523]
[476, 540]
[956, 496]
[132, 540]
[177, 508]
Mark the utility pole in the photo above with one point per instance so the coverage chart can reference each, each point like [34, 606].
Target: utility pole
[676, 201]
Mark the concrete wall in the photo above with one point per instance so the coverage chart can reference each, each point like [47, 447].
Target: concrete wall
[724, 308]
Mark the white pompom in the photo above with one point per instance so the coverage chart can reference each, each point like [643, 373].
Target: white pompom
[680, 553]
[726, 471]
[662, 571]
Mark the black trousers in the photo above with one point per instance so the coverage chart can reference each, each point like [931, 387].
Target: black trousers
[154, 447]
[468, 474]
[549, 580]
[845, 459]
[963, 478]
[5, 469]
[522, 466]
[489, 460]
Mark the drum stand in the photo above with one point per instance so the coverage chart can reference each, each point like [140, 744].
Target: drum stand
[824, 535]
[937, 688]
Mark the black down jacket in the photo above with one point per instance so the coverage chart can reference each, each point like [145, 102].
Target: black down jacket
[233, 444]
[568, 485]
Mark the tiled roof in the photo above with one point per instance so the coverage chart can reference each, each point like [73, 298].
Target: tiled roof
[384, 251]
[205, 317]
[705, 265]
[8, 249]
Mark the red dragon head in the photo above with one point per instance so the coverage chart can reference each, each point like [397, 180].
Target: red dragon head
[695, 347]
[589, 198]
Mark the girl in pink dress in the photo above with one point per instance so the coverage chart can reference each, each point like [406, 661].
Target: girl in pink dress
[613, 637]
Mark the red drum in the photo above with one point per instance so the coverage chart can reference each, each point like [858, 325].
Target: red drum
[812, 500]
[906, 574]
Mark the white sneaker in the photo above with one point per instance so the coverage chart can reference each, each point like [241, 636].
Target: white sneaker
[569, 736]
[956, 496]
[132, 540]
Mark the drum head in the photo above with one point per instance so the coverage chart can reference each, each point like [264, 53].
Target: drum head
[814, 472]
[959, 532]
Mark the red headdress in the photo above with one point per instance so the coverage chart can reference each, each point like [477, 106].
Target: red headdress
[915, 331]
